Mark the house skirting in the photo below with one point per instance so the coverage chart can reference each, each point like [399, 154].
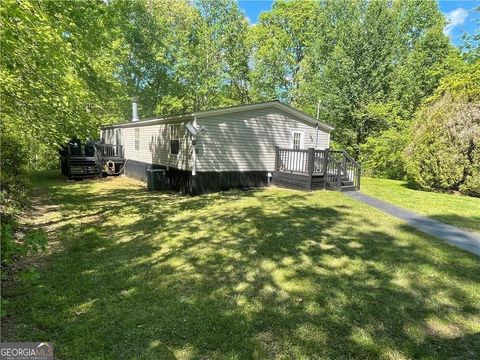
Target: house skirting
[138, 170]
[298, 181]
[203, 182]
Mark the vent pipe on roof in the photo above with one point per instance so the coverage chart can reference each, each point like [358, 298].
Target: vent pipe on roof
[135, 109]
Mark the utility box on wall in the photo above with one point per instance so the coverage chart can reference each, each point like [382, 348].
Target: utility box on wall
[156, 179]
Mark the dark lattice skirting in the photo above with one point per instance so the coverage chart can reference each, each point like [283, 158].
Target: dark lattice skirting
[203, 182]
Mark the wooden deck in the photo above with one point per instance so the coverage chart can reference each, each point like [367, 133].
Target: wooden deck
[316, 169]
[91, 160]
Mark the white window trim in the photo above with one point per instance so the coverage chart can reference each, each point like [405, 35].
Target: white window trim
[302, 138]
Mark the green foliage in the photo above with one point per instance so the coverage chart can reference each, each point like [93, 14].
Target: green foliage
[363, 62]
[382, 155]
[369, 65]
[13, 176]
[471, 43]
[3, 310]
[29, 275]
[9, 247]
[33, 242]
[214, 72]
[177, 57]
[444, 151]
[280, 41]
[462, 83]
[56, 80]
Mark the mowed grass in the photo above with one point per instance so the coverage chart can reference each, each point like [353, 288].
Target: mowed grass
[241, 275]
[457, 210]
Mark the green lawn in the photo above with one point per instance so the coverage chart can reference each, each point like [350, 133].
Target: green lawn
[239, 275]
[457, 210]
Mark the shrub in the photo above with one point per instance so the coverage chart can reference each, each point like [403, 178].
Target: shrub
[444, 152]
[13, 176]
[33, 242]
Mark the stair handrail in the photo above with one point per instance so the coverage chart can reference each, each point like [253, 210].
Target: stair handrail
[345, 153]
[357, 169]
[337, 176]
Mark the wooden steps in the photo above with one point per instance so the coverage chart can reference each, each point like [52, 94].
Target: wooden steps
[83, 168]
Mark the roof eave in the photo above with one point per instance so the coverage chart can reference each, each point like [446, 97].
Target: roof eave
[149, 122]
[276, 104]
[304, 116]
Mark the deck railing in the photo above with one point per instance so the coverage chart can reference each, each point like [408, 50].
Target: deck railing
[352, 169]
[292, 160]
[109, 150]
[334, 165]
[309, 161]
[91, 150]
[333, 175]
[77, 150]
[319, 161]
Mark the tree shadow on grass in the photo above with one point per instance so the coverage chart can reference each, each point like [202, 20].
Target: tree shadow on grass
[257, 274]
[471, 223]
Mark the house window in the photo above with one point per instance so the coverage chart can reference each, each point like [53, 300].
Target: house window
[297, 140]
[174, 139]
[137, 139]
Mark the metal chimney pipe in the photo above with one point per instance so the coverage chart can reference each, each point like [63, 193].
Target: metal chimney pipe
[135, 109]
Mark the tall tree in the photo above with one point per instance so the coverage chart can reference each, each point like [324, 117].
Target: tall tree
[55, 81]
[279, 42]
[213, 70]
[180, 57]
[153, 38]
[374, 64]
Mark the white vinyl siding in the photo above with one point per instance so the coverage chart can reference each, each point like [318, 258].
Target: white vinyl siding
[245, 141]
[240, 141]
[154, 145]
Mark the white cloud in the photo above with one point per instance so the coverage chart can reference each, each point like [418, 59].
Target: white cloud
[250, 23]
[455, 18]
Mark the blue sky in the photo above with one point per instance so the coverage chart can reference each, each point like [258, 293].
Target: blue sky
[459, 13]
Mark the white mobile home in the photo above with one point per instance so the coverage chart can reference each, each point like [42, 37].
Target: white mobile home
[217, 149]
